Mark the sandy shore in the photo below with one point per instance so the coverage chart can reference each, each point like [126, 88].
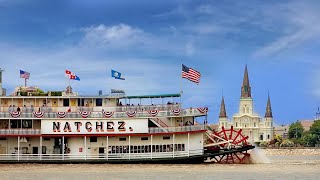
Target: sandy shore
[302, 152]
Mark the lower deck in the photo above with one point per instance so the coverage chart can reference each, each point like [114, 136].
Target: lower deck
[101, 148]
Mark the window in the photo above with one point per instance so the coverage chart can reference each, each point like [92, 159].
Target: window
[236, 124]
[46, 139]
[65, 102]
[15, 123]
[3, 138]
[99, 102]
[26, 123]
[268, 136]
[254, 124]
[247, 109]
[261, 137]
[166, 137]
[80, 102]
[122, 139]
[44, 149]
[93, 139]
[243, 110]
[144, 138]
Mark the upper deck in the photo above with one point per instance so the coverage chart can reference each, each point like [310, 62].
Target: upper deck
[74, 106]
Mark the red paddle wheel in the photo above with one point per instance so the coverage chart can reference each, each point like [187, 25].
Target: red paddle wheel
[228, 146]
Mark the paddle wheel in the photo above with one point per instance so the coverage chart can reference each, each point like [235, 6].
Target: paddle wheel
[227, 146]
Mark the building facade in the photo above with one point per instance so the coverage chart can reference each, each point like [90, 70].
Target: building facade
[258, 129]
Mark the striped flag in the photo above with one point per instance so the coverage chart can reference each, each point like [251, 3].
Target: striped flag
[72, 76]
[24, 74]
[190, 74]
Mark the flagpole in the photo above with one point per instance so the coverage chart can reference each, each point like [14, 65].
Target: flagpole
[69, 87]
[181, 91]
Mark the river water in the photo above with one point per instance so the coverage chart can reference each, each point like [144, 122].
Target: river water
[265, 167]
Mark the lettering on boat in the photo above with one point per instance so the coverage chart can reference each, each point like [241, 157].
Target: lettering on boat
[94, 126]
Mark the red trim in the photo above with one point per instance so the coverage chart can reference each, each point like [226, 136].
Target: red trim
[97, 135]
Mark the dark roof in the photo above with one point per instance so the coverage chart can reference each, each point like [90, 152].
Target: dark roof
[152, 96]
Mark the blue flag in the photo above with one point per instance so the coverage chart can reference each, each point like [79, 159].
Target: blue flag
[116, 75]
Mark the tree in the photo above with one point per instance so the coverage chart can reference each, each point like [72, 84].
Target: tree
[295, 130]
[308, 139]
[278, 138]
[315, 130]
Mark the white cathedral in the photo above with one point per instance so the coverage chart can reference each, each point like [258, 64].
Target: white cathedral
[258, 129]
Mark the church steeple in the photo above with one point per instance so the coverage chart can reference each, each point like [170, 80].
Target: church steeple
[268, 108]
[223, 112]
[245, 88]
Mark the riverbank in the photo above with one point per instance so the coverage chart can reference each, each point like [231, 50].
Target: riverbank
[292, 151]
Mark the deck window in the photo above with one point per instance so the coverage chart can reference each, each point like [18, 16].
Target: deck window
[15, 124]
[26, 123]
[99, 102]
[80, 102]
[144, 138]
[122, 139]
[93, 139]
[65, 102]
[166, 137]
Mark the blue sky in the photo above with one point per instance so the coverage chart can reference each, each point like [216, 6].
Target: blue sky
[148, 40]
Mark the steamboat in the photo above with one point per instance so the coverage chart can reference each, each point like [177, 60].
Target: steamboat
[65, 127]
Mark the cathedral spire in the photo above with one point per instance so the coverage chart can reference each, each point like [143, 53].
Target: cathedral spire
[245, 88]
[268, 108]
[223, 112]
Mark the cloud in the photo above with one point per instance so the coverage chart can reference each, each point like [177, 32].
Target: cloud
[189, 48]
[205, 9]
[301, 26]
[315, 79]
[121, 35]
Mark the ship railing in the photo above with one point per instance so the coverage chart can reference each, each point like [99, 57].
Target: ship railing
[100, 114]
[177, 129]
[101, 156]
[119, 108]
[20, 131]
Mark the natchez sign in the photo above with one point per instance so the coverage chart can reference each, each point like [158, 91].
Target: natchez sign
[94, 126]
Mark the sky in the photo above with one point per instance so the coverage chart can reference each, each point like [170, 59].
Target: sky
[147, 41]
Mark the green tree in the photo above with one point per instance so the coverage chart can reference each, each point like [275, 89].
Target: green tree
[309, 139]
[315, 130]
[278, 138]
[295, 130]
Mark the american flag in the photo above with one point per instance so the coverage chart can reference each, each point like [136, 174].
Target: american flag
[190, 74]
[24, 74]
[72, 75]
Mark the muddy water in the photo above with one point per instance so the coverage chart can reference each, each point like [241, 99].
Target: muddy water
[276, 167]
